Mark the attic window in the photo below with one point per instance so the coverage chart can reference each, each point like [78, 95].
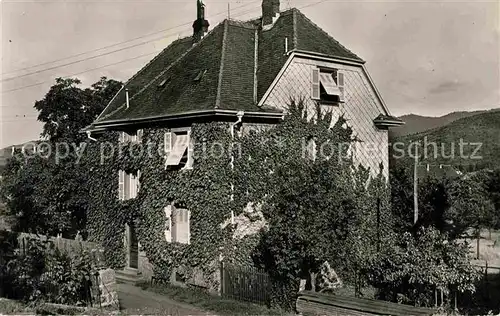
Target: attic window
[163, 83]
[327, 85]
[200, 75]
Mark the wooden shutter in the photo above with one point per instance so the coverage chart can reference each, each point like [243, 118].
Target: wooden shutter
[340, 84]
[188, 226]
[167, 145]
[175, 224]
[189, 163]
[140, 133]
[315, 84]
[168, 223]
[126, 186]
[138, 181]
[121, 185]
[133, 186]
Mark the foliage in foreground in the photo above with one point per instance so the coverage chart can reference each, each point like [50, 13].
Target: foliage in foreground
[43, 273]
[415, 266]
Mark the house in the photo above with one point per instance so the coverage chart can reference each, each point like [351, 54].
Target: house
[437, 171]
[242, 72]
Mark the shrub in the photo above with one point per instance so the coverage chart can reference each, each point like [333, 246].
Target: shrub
[43, 272]
[411, 270]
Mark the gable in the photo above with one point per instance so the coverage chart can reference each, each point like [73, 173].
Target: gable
[362, 104]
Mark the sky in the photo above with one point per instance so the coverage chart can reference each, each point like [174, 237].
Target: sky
[426, 57]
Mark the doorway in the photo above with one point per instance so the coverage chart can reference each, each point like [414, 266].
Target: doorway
[132, 247]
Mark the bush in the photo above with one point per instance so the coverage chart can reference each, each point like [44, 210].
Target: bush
[418, 265]
[43, 273]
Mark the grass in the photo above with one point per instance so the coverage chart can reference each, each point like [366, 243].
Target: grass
[13, 307]
[212, 303]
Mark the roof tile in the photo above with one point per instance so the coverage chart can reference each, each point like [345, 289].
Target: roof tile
[227, 54]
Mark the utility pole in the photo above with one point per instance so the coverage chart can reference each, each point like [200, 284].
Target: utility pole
[415, 186]
[228, 11]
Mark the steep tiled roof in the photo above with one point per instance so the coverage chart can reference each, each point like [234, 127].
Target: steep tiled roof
[238, 62]
[311, 37]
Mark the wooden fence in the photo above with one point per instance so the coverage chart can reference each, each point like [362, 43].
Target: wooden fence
[245, 284]
[313, 303]
[69, 246]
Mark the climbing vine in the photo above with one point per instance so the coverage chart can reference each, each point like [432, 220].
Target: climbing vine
[229, 174]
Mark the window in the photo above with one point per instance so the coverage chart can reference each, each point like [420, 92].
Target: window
[136, 137]
[200, 75]
[128, 185]
[177, 225]
[327, 85]
[178, 149]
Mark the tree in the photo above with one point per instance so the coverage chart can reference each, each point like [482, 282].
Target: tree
[49, 193]
[415, 266]
[470, 207]
[433, 201]
[318, 209]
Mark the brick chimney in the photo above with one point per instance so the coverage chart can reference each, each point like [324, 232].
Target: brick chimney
[270, 11]
[200, 25]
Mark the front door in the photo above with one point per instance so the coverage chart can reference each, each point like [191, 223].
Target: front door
[133, 247]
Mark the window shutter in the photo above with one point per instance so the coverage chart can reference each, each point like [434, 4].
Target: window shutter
[133, 186]
[315, 84]
[138, 180]
[189, 163]
[167, 144]
[121, 185]
[340, 84]
[126, 186]
[175, 224]
[188, 219]
[168, 223]
[140, 133]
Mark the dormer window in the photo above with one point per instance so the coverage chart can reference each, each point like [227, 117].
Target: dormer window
[327, 85]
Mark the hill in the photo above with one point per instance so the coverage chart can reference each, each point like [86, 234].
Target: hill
[416, 123]
[479, 135]
[6, 153]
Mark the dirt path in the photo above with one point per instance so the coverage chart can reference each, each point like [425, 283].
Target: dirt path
[135, 301]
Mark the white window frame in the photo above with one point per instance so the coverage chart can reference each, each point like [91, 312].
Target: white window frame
[316, 83]
[171, 135]
[121, 185]
[175, 214]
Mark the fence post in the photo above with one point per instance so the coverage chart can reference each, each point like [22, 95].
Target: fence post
[435, 297]
[222, 278]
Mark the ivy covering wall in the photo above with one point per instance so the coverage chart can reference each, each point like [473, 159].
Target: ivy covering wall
[206, 190]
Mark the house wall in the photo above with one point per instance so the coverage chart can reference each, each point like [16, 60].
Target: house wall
[360, 108]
